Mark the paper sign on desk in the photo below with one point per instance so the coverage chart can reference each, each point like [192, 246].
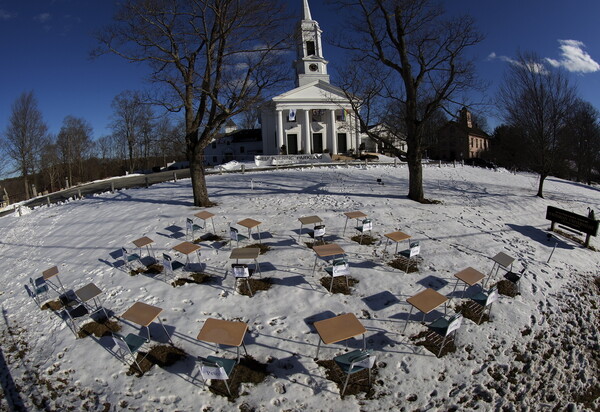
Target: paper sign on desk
[213, 372]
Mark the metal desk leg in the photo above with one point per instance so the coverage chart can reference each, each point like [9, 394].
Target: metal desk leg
[318, 347]
[454, 290]
[165, 329]
[314, 266]
[213, 225]
[364, 343]
[258, 268]
[410, 313]
[345, 226]
[300, 233]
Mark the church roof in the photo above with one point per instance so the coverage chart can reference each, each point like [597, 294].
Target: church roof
[317, 91]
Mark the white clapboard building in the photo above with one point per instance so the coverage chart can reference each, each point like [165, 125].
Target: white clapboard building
[315, 117]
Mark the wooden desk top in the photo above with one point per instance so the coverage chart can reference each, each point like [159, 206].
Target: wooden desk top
[143, 241]
[88, 292]
[503, 259]
[141, 313]
[244, 253]
[355, 215]
[249, 223]
[186, 247]
[307, 220]
[397, 236]
[223, 332]
[48, 273]
[470, 276]
[330, 249]
[204, 215]
[339, 328]
[427, 300]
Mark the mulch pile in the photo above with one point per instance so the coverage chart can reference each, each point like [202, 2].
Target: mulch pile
[99, 329]
[197, 278]
[255, 285]
[358, 383]
[161, 355]
[401, 262]
[339, 284]
[249, 370]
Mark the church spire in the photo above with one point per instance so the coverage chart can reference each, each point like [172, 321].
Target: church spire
[306, 14]
[310, 65]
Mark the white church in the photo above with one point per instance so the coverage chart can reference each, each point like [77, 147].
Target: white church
[316, 116]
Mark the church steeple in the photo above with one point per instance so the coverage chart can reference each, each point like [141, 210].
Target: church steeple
[310, 64]
[306, 14]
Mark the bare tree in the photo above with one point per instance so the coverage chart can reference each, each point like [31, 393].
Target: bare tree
[536, 100]
[420, 63]
[214, 57]
[50, 165]
[25, 136]
[74, 143]
[582, 139]
[131, 120]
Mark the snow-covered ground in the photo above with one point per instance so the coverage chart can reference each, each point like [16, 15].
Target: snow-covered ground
[539, 351]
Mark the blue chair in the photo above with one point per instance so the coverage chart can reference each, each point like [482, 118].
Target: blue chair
[214, 367]
[129, 258]
[483, 301]
[339, 268]
[241, 271]
[171, 266]
[190, 226]
[319, 233]
[366, 226]
[444, 329]
[412, 252]
[235, 236]
[515, 278]
[38, 288]
[128, 346]
[353, 362]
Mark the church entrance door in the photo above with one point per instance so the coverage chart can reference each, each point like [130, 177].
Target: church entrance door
[292, 144]
[342, 143]
[317, 143]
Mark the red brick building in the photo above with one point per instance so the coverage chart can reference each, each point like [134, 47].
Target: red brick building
[461, 139]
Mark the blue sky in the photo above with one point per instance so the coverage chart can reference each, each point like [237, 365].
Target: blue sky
[45, 47]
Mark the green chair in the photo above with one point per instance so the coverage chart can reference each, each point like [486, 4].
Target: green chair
[353, 362]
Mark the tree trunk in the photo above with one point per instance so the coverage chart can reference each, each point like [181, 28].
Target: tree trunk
[415, 174]
[198, 179]
[540, 192]
[26, 183]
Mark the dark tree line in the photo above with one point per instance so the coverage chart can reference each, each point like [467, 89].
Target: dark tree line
[46, 162]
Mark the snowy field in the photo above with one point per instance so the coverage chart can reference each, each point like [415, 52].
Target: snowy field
[539, 352]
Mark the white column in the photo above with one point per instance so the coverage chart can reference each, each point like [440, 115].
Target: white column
[332, 146]
[306, 131]
[356, 133]
[279, 130]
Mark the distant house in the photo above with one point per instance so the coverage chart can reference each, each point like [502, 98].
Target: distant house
[240, 145]
[391, 136]
[461, 139]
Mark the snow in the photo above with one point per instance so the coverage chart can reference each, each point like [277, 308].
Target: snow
[482, 212]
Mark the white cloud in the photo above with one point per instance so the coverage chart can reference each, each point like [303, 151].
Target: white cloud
[42, 17]
[574, 58]
[7, 15]
[533, 67]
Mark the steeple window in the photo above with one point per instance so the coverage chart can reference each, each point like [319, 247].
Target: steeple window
[310, 48]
